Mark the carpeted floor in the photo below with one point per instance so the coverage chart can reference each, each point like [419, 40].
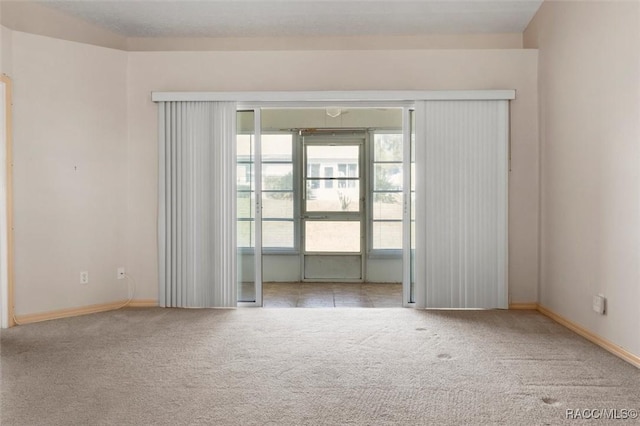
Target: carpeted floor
[307, 367]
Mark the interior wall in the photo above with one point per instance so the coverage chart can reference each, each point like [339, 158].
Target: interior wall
[333, 70]
[371, 42]
[70, 172]
[589, 91]
[376, 118]
[36, 18]
[5, 51]
[2, 33]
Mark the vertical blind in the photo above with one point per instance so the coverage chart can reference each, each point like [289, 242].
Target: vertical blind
[197, 203]
[4, 212]
[461, 192]
[462, 167]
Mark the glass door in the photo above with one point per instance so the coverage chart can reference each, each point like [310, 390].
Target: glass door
[409, 214]
[248, 208]
[333, 237]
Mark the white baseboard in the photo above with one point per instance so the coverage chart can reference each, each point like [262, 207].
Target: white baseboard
[83, 310]
[533, 306]
[592, 337]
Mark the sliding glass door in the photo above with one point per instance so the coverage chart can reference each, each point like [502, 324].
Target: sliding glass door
[248, 208]
[337, 200]
[317, 205]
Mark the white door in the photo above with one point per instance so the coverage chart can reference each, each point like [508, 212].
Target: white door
[332, 225]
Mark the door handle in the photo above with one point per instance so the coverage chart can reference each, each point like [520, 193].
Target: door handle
[314, 217]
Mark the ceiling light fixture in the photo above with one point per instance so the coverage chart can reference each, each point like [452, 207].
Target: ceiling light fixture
[334, 112]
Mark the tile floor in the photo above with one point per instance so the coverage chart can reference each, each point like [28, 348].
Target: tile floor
[338, 295]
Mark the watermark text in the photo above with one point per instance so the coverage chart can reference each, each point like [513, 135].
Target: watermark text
[601, 414]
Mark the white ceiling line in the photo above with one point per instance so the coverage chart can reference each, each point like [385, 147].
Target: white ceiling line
[337, 96]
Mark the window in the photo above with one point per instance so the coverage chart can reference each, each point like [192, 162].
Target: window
[347, 170]
[328, 173]
[314, 170]
[246, 192]
[332, 180]
[277, 192]
[278, 224]
[386, 193]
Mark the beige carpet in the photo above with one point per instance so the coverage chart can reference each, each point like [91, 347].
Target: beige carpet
[306, 367]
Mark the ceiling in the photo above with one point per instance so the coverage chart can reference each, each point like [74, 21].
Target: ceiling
[301, 18]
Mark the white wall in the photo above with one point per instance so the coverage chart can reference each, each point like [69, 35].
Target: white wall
[370, 42]
[589, 73]
[35, 18]
[333, 70]
[70, 174]
[2, 42]
[5, 51]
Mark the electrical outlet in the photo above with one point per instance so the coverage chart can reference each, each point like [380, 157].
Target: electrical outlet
[121, 273]
[84, 277]
[599, 304]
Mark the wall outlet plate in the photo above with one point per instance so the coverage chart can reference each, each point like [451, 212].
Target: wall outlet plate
[84, 277]
[599, 304]
[121, 273]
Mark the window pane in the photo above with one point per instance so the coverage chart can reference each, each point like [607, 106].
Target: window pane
[245, 122]
[387, 235]
[277, 147]
[328, 173]
[244, 149]
[412, 124]
[387, 147]
[325, 161]
[245, 229]
[277, 176]
[347, 170]
[333, 236]
[246, 233]
[387, 205]
[245, 202]
[277, 205]
[313, 170]
[413, 176]
[244, 176]
[413, 235]
[413, 206]
[343, 198]
[277, 234]
[387, 177]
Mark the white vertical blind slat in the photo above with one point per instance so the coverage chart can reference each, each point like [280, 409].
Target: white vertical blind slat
[196, 219]
[461, 162]
[161, 203]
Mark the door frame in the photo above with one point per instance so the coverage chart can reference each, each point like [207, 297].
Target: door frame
[257, 106]
[6, 205]
[348, 139]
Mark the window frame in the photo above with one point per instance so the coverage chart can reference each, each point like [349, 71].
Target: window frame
[381, 253]
[295, 249]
